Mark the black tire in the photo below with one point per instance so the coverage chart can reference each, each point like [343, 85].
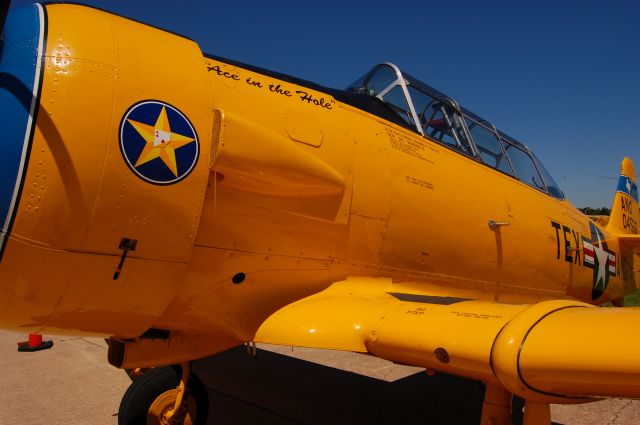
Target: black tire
[144, 390]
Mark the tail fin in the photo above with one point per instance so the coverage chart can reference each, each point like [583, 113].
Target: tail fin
[625, 215]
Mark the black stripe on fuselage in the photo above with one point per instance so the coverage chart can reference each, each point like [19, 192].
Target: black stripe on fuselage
[427, 299]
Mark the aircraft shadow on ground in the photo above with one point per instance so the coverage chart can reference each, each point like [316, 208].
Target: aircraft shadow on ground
[281, 390]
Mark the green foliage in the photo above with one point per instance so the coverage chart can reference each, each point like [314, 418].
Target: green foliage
[633, 299]
[630, 300]
[595, 211]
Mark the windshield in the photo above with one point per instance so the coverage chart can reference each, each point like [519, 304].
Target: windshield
[425, 110]
[436, 116]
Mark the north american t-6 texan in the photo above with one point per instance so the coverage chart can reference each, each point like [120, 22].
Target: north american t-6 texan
[183, 208]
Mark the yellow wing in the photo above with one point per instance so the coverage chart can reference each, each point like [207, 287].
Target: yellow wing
[549, 350]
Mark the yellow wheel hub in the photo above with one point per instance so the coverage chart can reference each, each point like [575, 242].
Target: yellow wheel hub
[159, 410]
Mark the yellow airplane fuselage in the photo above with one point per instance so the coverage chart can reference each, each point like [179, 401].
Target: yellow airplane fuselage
[292, 190]
[182, 204]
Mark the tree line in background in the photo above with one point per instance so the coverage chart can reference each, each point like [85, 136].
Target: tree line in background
[595, 211]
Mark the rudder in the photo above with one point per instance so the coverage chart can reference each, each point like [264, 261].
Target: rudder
[625, 215]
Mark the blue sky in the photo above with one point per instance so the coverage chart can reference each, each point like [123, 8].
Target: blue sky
[560, 76]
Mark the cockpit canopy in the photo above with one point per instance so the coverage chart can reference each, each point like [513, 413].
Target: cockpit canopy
[434, 115]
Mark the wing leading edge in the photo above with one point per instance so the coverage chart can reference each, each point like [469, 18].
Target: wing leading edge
[552, 350]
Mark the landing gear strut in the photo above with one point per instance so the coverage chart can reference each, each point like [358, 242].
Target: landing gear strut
[498, 408]
[165, 396]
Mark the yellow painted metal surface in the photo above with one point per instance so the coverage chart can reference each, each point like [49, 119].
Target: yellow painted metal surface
[292, 193]
[79, 198]
[368, 315]
[625, 216]
[557, 351]
[61, 292]
[597, 358]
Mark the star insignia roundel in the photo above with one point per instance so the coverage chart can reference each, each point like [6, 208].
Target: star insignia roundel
[158, 142]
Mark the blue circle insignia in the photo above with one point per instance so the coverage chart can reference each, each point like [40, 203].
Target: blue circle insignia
[158, 142]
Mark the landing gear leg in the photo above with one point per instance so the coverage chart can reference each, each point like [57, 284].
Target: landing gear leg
[165, 396]
[496, 408]
[168, 408]
[537, 413]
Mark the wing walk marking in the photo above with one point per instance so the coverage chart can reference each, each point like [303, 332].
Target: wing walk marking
[427, 299]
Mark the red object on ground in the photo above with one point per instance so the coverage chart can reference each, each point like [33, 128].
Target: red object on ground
[34, 343]
[35, 340]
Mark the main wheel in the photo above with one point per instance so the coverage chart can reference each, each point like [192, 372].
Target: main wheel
[152, 395]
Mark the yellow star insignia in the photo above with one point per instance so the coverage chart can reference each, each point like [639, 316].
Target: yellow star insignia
[160, 142]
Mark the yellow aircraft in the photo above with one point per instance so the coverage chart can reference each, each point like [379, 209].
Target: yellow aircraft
[181, 204]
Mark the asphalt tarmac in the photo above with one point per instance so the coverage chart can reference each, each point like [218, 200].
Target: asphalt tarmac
[72, 384]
